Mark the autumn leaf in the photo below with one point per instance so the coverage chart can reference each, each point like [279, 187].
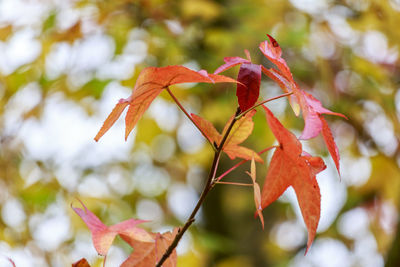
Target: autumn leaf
[313, 110]
[248, 89]
[291, 166]
[249, 79]
[148, 254]
[81, 263]
[330, 143]
[311, 107]
[238, 134]
[257, 192]
[149, 85]
[103, 235]
[208, 129]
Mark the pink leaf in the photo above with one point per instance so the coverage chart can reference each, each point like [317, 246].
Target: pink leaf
[230, 62]
[103, 236]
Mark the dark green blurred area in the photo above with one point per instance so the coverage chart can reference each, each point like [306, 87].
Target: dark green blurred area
[343, 52]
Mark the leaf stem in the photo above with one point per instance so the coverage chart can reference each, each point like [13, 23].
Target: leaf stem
[189, 117]
[232, 183]
[207, 187]
[241, 163]
[261, 103]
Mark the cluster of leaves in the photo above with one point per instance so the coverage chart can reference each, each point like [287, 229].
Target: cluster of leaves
[290, 164]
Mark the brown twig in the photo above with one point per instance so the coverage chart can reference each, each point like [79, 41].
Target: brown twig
[207, 187]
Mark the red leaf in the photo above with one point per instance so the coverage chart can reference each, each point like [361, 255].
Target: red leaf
[290, 166]
[248, 88]
[273, 52]
[330, 143]
[148, 254]
[81, 263]
[103, 236]
[149, 85]
[309, 105]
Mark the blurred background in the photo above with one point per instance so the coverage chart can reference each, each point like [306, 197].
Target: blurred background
[64, 64]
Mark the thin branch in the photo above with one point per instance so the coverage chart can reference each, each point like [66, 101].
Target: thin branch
[241, 163]
[263, 102]
[189, 117]
[232, 183]
[207, 187]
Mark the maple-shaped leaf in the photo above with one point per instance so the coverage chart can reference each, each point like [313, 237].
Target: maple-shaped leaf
[149, 254]
[257, 192]
[81, 263]
[291, 166]
[238, 134]
[249, 78]
[149, 85]
[103, 235]
[311, 107]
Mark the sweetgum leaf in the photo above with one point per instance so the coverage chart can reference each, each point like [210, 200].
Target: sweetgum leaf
[310, 106]
[149, 85]
[290, 166]
[103, 235]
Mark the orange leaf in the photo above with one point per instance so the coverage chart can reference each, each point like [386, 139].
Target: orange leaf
[290, 166]
[239, 132]
[103, 235]
[112, 118]
[242, 152]
[148, 254]
[330, 143]
[149, 85]
[207, 128]
[309, 105]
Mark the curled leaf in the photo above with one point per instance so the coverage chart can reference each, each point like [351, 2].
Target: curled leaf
[257, 192]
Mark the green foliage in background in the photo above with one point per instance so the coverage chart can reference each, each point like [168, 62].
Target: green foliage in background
[344, 52]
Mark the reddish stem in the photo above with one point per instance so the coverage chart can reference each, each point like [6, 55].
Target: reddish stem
[263, 102]
[241, 163]
[232, 183]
